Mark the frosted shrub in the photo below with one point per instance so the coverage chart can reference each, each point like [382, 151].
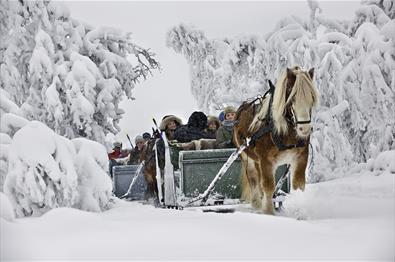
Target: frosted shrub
[41, 170]
[94, 184]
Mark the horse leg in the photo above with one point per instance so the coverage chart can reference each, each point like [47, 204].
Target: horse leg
[250, 183]
[266, 170]
[298, 172]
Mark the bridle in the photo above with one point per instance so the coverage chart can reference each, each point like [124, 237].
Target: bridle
[294, 120]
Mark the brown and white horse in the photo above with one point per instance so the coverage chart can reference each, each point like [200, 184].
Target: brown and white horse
[288, 113]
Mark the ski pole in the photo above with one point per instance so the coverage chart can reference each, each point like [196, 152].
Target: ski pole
[281, 182]
[138, 171]
[127, 135]
[203, 197]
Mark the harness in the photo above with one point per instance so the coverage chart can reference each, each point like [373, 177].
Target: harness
[263, 130]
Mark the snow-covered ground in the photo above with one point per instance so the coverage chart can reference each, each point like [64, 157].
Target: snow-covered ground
[346, 218]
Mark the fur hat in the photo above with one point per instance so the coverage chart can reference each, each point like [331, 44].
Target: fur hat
[229, 109]
[213, 119]
[167, 119]
[139, 139]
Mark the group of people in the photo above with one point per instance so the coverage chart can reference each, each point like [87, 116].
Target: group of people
[120, 156]
[199, 126]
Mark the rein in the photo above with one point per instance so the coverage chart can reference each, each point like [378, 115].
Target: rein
[263, 130]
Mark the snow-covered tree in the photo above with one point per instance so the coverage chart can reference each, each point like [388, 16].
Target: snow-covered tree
[354, 63]
[47, 170]
[65, 73]
[41, 171]
[94, 184]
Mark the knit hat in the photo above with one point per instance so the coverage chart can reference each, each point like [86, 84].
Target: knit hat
[221, 116]
[117, 144]
[229, 109]
[139, 139]
[167, 119]
[146, 135]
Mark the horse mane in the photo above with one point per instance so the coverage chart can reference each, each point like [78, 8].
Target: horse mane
[303, 90]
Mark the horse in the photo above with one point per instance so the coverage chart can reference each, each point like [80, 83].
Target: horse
[280, 122]
[148, 156]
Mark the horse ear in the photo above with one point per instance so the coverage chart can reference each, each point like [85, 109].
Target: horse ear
[272, 87]
[311, 73]
[290, 76]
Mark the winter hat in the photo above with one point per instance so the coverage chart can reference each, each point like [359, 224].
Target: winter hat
[198, 119]
[221, 116]
[146, 135]
[167, 119]
[139, 139]
[117, 144]
[229, 109]
[213, 119]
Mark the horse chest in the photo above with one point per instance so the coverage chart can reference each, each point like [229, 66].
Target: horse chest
[287, 157]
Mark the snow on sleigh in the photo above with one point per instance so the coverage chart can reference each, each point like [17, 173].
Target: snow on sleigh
[186, 182]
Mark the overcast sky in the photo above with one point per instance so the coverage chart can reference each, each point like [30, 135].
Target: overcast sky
[168, 91]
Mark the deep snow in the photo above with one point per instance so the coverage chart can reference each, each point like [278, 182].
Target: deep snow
[346, 218]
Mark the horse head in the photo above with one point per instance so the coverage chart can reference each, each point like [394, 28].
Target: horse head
[293, 101]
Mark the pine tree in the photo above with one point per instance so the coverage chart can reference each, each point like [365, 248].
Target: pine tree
[67, 74]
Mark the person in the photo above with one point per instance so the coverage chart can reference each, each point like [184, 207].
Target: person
[146, 136]
[212, 126]
[194, 130]
[116, 156]
[134, 156]
[169, 124]
[225, 132]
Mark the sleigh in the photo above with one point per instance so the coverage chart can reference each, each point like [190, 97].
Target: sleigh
[193, 173]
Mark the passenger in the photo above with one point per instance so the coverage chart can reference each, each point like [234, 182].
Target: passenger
[169, 124]
[194, 130]
[224, 133]
[146, 136]
[134, 157]
[212, 126]
[116, 156]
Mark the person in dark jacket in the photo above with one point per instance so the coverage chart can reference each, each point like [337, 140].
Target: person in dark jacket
[134, 157]
[194, 130]
[225, 132]
[212, 126]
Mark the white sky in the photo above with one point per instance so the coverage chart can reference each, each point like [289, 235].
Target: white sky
[168, 91]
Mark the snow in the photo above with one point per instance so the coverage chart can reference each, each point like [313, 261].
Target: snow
[6, 209]
[344, 219]
[57, 202]
[46, 171]
[10, 123]
[41, 172]
[95, 186]
[6, 105]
